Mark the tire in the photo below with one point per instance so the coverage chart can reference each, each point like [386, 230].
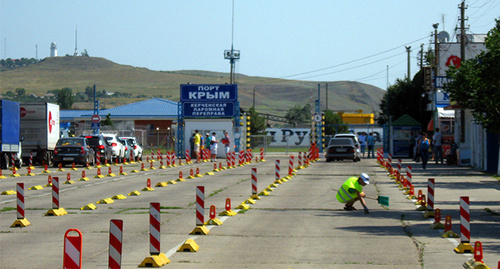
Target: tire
[328, 160]
[5, 161]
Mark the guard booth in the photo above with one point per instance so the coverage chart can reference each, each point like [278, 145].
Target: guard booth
[208, 108]
[403, 131]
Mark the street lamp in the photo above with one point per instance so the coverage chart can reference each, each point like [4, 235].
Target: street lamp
[157, 136]
[168, 138]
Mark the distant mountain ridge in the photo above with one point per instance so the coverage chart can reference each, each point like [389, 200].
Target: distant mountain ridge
[272, 95]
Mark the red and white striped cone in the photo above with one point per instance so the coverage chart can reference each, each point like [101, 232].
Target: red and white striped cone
[200, 212]
[56, 210]
[277, 177]
[169, 160]
[132, 156]
[254, 184]
[157, 258]
[262, 154]
[158, 155]
[290, 166]
[200, 205]
[390, 159]
[115, 244]
[31, 161]
[13, 161]
[20, 200]
[233, 159]
[240, 158]
[152, 154]
[98, 159]
[72, 250]
[188, 157]
[399, 165]
[300, 160]
[154, 229]
[21, 220]
[408, 173]
[464, 246]
[429, 212]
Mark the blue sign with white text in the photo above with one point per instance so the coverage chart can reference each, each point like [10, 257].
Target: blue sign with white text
[209, 93]
[208, 110]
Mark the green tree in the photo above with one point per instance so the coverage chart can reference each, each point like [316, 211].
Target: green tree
[107, 121]
[334, 119]
[476, 84]
[65, 98]
[297, 114]
[257, 122]
[405, 97]
[20, 92]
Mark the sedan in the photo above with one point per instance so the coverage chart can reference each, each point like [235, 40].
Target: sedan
[340, 149]
[73, 150]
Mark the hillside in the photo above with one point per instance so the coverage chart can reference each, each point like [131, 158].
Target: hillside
[273, 96]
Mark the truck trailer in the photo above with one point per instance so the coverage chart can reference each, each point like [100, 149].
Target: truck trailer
[10, 128]
[40, 128]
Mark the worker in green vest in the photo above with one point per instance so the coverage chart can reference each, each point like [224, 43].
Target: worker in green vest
[352, 191]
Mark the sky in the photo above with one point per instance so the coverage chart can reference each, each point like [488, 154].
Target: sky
[314, 40]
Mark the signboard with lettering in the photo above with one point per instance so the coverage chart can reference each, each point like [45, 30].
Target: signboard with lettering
[209, 93]
[208, 100]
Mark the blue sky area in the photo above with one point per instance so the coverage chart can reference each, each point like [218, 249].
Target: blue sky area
[319, 40]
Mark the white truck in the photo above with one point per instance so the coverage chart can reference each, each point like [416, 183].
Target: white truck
[40, 128]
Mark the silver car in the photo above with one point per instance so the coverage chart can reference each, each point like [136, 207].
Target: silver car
[341, 149]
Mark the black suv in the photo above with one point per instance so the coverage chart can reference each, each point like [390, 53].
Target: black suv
[99, 144]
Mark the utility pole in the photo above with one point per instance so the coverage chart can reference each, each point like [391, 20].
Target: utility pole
[326, 96]
[462, 59]
[232, 55]
[408, 51]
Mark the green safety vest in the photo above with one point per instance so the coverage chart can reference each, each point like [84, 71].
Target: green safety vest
[346, 192]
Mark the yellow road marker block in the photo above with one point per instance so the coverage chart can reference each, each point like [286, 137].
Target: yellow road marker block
[37, 187]
[148, 189]
[20, 223]
[214, 221]
[89, 207]
[155, 261]
[200, 230]
[189, 246]
[249, 201]
[56, 212]
[464, 247]
[134, 193]
[161, 184]
[264, 193]
[119, 197]
[172, 182]
[227, 213]
[243, 206]
[106, 201]
[9, 192]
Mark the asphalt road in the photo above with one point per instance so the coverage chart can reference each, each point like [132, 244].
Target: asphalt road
[298, 225]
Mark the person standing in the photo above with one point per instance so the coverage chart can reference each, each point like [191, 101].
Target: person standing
[213, 147]
[352, 191]
[191, 146]
[362, 142]
[197, 141]
[437, 146]
[227, 142]
[424, 150]
[370, 141]
[416, 149]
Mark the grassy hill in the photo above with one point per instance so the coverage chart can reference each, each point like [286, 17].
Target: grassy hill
[272, 96]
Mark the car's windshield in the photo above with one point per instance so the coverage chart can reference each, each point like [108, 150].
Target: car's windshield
[340, 141]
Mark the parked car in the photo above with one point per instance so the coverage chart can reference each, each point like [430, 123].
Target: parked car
[341, 149]
[128, 148]
[137, 148]
[99, 144]
[73, 150]
[355, 139]
[117, 148]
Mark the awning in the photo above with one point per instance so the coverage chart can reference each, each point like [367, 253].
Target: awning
[442, 113]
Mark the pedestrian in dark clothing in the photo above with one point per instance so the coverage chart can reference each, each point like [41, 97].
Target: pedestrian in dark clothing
[424, 150]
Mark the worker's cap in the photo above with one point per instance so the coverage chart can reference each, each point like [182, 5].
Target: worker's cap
[365, 178]
[208, 134]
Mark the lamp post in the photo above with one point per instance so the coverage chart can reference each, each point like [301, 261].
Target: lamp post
[168, 138]
[157, 136]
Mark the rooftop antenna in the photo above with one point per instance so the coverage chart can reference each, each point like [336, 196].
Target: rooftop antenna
[76, 41]
[232, 55]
